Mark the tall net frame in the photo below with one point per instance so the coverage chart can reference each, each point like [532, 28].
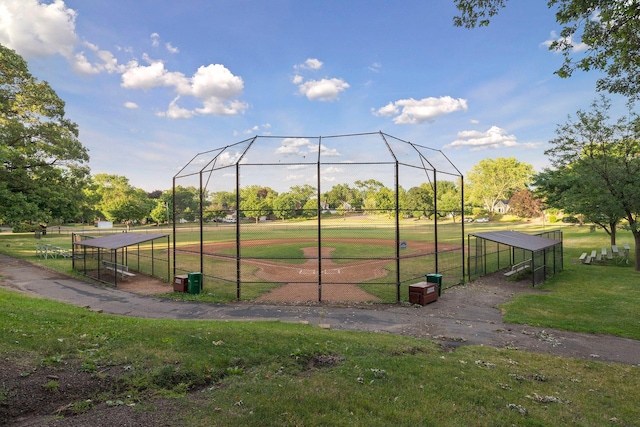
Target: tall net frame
[328, 218]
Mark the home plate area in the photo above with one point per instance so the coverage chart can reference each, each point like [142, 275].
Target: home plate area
[306, 271]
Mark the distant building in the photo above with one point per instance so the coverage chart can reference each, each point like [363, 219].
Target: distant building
[502, 207]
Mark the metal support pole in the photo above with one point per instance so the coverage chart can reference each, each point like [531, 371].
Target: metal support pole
[319, 228]
[435, 217]
[173, 223]
[238, 285]
[397, 201]
[201, 201]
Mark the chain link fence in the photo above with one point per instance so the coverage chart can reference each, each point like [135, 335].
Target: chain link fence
[297, 219]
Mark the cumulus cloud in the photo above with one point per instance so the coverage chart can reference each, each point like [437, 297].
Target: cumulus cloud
[323, 90]
[214, 85]
[412, 111]
[35, 29]
[310, 64]
[130, 105]
[494, 137]
[565, 41]
[326, 89]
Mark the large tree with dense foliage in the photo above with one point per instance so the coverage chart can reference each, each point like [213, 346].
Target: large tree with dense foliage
[117, 200]
[42, 162]
[604, 157]
[609, 28]
[491, 180]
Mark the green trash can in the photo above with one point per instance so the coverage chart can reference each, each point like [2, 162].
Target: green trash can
[195, 283]
[435, 278]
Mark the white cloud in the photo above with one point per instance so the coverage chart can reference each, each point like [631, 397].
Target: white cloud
[149, 76]
[35, 29]
[214, 85]
[412, 111]
[155, 39]
[493, 138]
[333, 169]
[323, 90]
[375, 67]
[171, 48]
[175, 111]
[310, 64]
[575, 47]
[105, 62]
[297, 79]
[256, 129]
[294, 146]
[131, 105]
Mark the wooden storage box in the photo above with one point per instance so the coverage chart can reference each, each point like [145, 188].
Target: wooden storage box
[181, 283]
[423, 293]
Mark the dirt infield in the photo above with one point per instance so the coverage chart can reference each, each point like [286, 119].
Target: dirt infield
[300, 292]
[339, 280]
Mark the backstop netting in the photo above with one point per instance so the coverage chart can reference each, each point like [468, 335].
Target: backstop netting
[298, 219]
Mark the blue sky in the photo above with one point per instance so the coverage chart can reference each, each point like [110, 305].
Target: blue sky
[153, 82]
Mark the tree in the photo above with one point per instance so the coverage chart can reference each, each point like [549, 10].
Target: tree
[118, 200]
[160, 213]
[256, 201]
[339, 195]
[610, 29]
[525, 205]
[607, 156]
[419, 201]
[284, 205]
[497, 179]
[449, 202]
[310, 209]
[42, 162]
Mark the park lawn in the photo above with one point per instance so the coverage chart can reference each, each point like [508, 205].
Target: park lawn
[275, 374]
[583, 298]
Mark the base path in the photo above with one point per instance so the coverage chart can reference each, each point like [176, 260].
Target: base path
[464, 315]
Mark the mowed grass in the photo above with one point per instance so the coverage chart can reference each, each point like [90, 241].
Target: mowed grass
[278, 374]
[586, 298]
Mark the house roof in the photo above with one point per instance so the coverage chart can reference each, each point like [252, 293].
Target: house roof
[119, 240]
[517, 240]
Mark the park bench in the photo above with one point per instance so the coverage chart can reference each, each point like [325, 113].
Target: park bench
[517, 268]
[583, 257]
[626, 252]
[123, 270]
[45, 250]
